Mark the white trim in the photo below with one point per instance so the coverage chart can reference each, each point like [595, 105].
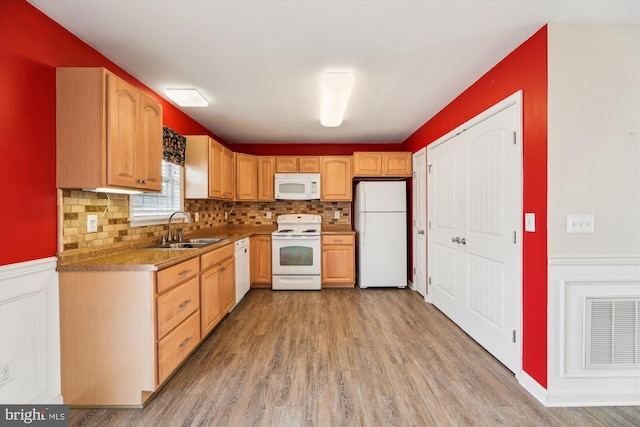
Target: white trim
[30, 331]
[533, 387]
[577, 260]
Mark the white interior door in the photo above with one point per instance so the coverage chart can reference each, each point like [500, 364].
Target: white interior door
[420, 222]
[475, 262]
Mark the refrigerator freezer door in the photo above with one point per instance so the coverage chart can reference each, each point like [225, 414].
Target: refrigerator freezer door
[382, 250]
[381, 196]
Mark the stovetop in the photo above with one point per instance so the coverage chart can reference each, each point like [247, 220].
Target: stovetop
[303, 224]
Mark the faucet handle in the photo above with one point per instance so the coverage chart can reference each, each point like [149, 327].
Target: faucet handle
[164, 239]
[179, 234]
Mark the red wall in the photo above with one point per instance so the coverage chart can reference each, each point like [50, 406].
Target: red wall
[31, 47]
[524, 69]
[311, 149]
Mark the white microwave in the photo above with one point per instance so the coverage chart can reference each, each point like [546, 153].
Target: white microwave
[297, 186]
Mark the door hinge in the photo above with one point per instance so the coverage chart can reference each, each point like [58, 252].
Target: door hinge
[514, 136]
[513, 335]
[414, 270]
[514, 237]
[429, 225]
[429, 280]
[429, 168]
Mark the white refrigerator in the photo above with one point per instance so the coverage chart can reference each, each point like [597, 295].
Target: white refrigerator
[380, 220]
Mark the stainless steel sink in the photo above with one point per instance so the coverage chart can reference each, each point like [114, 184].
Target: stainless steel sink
[206, 240]
[180, 245]
[189, 243]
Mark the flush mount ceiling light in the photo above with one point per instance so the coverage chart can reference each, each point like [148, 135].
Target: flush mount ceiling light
[186, 97]
[334, 97]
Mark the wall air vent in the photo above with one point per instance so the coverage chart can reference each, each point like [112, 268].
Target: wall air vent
[612, 333]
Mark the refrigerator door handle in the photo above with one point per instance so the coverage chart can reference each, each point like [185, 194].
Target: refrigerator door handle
[363, 229]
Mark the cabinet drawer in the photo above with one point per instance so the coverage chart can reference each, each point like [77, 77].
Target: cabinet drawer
[212, 258]
[170, 277]
[338, 239]
[177, 304]
[177, 345]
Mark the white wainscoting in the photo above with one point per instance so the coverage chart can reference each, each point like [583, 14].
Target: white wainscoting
[571, 281]
[30, 332]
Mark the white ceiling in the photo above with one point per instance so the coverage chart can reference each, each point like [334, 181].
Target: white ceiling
[258, 62]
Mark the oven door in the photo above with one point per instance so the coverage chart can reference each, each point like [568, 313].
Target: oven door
[298, 255]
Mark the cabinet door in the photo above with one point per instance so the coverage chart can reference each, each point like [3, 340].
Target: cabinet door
[227, 290]
[309, 164]
[246, 177]
[216, 169]
[260, 260]
[367, 164]
[122, 133]
[209, 300]
[288, 164]
[397, 164]
[149, 151]
[338, 261]
[266, 170]
[229, 175]
[336, 178]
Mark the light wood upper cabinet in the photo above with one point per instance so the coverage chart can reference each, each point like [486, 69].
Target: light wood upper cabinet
[293, 164]
[335, 184]
[260, 261]
[246, 177]
[209, 169]
[372, 164]
[309, 164]
[338, 261]
[266, 171]
[108, 134]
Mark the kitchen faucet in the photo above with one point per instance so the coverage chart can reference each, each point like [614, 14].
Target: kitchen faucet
[186, 214]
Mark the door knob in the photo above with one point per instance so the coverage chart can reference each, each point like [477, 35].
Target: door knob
[455, 239]
[463, 241]
[420, 231]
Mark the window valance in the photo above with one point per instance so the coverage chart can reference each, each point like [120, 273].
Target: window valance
[173, 146]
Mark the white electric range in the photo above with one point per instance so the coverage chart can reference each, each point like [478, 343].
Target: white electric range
[296, 253]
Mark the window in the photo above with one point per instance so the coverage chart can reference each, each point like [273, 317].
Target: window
[155, 208]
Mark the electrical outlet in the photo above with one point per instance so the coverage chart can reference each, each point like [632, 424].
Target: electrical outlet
[196, 217]
[268, 214]
[226, 215]
[336, 214]
[6, 372]
[92, 223]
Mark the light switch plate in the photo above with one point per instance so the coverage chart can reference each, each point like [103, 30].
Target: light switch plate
[92, 223]
[530, 222]
[584, 224]
[336, 214]
[268, 214]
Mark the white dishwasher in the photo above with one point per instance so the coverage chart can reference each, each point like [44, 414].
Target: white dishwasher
[242, 269]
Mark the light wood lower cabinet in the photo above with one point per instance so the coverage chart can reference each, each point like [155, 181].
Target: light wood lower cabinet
[123, 333]
[338, 261]
[217, 287]
[260, 253]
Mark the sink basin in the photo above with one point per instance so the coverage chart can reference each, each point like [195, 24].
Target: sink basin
[206, 240]
[180, 245]
[189, 243]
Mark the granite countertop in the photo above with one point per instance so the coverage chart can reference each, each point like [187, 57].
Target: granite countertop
[141, 259]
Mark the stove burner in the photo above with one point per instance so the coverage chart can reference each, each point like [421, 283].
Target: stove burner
[311, 230]
[285, 231]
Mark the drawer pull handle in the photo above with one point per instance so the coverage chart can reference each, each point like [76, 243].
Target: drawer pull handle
[182, 273]
[185, 342]
[183, 305]
[338, 241]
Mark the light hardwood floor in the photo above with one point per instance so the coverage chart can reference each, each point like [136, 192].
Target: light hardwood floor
[344, 357]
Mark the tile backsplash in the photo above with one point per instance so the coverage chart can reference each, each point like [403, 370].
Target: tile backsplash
[115, 232]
